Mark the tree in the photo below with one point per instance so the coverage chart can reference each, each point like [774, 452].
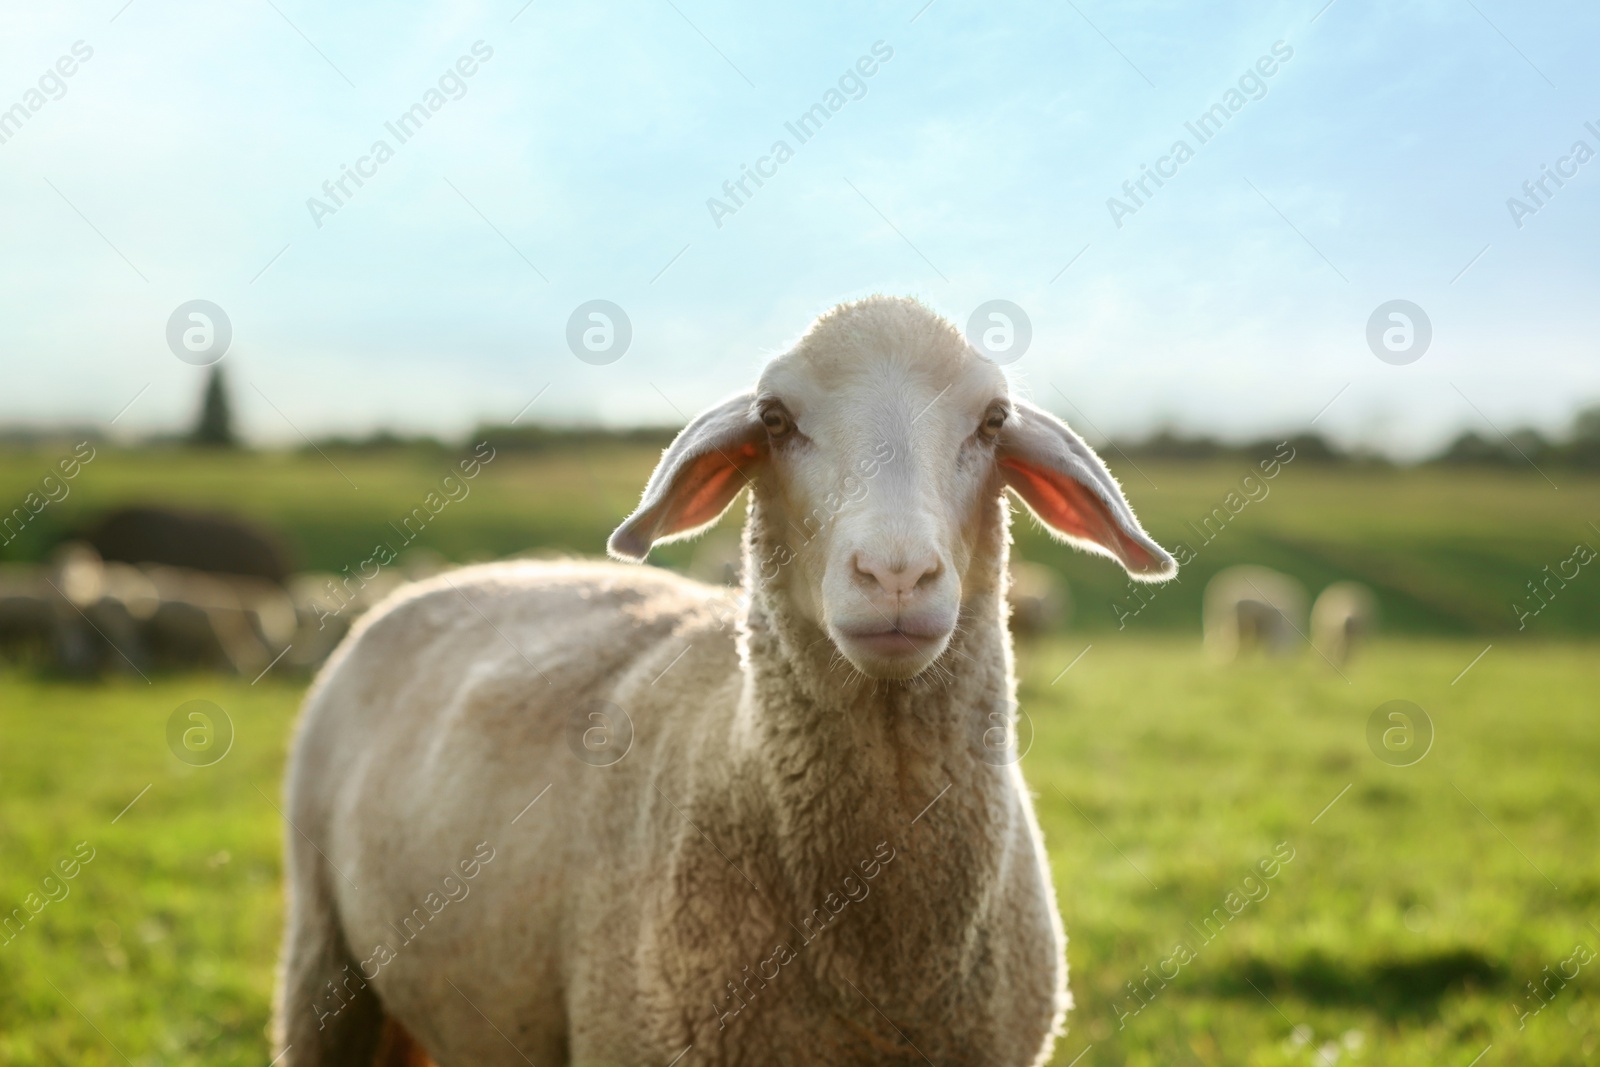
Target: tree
[1586, 425]
[1473, 448]
[1585, 446]
[215, 428]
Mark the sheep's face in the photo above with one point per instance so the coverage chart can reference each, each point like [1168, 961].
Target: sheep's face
[878, 448]
[881, 475]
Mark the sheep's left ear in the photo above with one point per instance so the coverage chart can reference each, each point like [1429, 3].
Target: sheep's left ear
[1072, 493]
[699, 475]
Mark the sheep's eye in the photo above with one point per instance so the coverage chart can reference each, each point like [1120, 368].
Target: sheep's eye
[992, 423]
[777, 421]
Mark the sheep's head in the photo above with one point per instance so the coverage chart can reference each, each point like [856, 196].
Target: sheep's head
[878, 448]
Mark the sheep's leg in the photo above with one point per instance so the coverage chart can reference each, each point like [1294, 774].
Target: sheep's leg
[327, 1016]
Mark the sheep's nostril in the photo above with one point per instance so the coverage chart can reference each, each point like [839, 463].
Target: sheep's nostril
[897, 577]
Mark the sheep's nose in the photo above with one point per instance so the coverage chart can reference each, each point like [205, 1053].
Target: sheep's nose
[898, 576]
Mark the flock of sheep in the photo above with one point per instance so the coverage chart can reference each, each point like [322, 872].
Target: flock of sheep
[178, 590]
[229, 607]
[85, 616]
[1255, 609]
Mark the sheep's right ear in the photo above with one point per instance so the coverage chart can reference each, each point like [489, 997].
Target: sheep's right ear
[699, 475]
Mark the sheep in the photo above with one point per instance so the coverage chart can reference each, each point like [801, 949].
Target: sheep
[565, 812]
[717, 558]
[1253, 608]
[216, 543]
[1342, 618]
[1039, 598]
[84, 615]
[76, 614]
[326, 605]
[201, 620]
[104, 611]
[30, 615]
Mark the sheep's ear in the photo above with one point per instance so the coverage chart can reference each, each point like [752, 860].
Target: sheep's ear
[699, 475]
[1069, 489]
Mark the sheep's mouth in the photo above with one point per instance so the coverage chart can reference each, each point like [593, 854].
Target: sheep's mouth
[892, 651]
[895, 641]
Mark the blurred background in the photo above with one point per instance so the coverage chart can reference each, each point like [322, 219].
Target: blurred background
[306, 302]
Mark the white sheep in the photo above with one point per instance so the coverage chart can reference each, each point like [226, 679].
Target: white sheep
[565, 813]
[1249, 608]
[1342, 618]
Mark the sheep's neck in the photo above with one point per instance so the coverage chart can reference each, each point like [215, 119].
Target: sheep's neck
[846, 764]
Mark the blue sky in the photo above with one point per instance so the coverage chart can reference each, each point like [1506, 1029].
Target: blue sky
[578, 160]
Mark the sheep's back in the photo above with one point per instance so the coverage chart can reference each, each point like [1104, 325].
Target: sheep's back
[453, 707]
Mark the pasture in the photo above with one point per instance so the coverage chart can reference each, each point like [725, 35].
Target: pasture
[1448, 551]
[1418, 904]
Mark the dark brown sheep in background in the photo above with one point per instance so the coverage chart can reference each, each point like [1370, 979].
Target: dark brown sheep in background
[219, 544]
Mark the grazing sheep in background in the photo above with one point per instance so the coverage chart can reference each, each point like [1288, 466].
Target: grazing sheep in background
[717, 558]
[127, 601]
[1250, 608]
[807, 838]
[30, 615]
[85, 616]
[1038, 597]
[1342, 618]
[76, 615]
[222, 544]
[200, 622]
[268, 606]
[104, 610]
[326, 606]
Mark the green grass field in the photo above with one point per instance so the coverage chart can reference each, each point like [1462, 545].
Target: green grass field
[1403, 929]
[1419, 902]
